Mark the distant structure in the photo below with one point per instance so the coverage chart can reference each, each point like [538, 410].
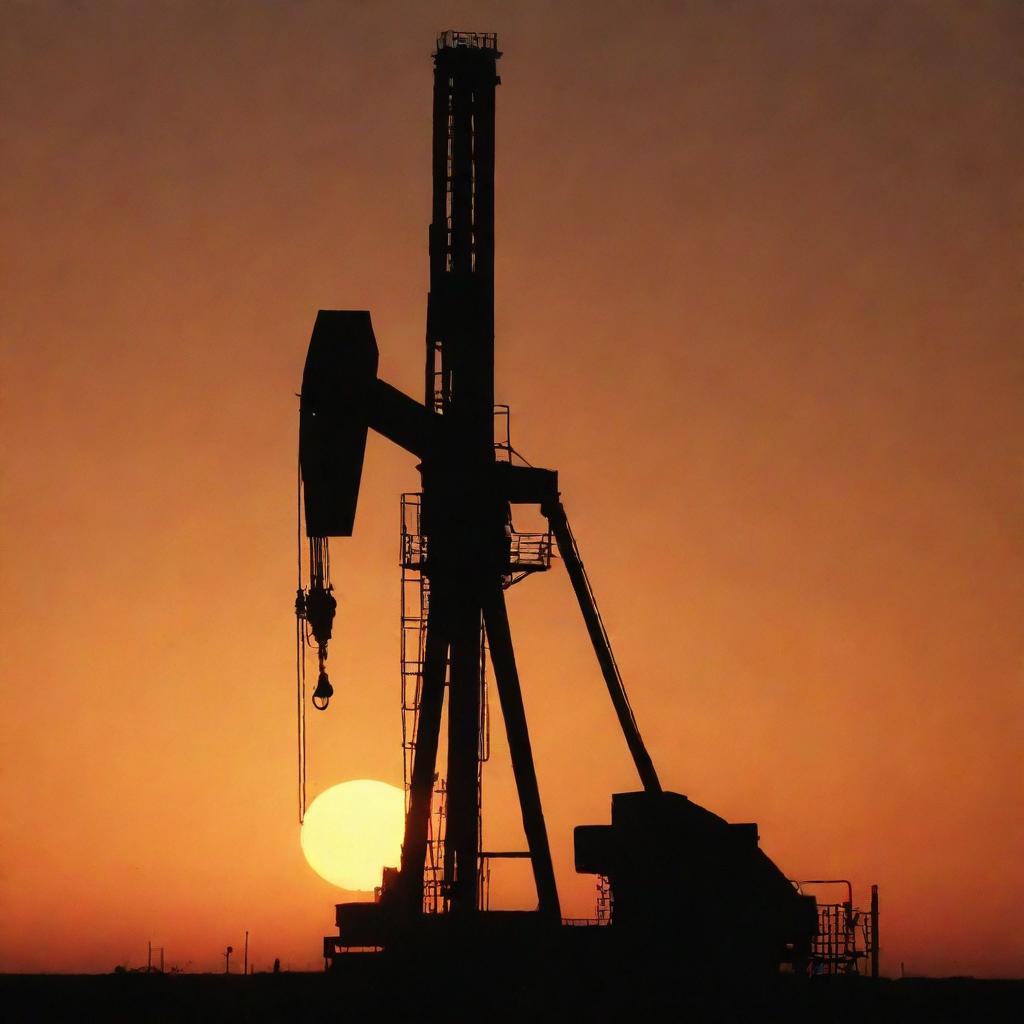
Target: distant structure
[672, 875]
[149, 959]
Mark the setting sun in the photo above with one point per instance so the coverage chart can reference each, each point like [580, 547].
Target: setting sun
[352, 831]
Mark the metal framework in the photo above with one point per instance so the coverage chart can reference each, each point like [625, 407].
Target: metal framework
[669, 871]
[459, 550]
[847, 937]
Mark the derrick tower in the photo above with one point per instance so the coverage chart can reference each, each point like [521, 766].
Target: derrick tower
[465, 520]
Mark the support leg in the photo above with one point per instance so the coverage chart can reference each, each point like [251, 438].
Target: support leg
[512, 710]
[602, 645]
[414, 845]
[462, 836]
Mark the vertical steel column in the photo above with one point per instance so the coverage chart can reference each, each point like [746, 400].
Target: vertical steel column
[874, 931]
[438, 237]
[462, 836]
[463, 519]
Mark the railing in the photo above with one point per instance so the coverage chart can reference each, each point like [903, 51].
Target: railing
[414, 550]
[605, 902]
[529, 552]
[846, 935]
[451, 39]
[502, 433]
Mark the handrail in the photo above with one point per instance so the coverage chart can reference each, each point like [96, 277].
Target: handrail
[452, 38]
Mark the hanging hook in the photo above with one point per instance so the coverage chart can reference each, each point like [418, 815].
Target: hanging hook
[323, 692]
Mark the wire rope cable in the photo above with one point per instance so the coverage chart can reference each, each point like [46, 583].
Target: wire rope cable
[300, 655]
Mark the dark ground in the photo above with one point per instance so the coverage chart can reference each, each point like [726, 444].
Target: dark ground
[374, 994]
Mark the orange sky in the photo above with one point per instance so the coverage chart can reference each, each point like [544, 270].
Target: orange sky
[758, 301]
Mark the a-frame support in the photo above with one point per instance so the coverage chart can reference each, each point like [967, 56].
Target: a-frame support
[441, 640]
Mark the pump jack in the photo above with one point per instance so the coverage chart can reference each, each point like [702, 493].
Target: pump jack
[676, 871]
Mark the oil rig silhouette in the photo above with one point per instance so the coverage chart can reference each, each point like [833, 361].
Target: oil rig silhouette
[672, 875]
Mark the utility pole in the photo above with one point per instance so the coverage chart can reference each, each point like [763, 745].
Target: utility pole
[227, 959]
[245, 960]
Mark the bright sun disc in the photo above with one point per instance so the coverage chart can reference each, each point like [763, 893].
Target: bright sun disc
[352, 831]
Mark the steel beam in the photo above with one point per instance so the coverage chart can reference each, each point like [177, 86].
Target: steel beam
[510, 694]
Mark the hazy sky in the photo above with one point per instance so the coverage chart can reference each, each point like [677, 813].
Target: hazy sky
[759, 269]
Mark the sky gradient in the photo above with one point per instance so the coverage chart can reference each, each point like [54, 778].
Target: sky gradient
[758, 301]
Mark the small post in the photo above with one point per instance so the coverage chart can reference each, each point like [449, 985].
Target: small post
[245, 963]
[161, 959]
[874, 931]
[227, 959]
[149, 956]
